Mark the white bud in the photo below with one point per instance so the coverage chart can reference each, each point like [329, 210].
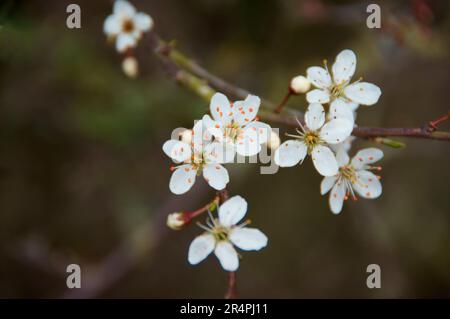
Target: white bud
[176, 221]
[274, 141]
[300, 84]
[186, 136]
[130, 67]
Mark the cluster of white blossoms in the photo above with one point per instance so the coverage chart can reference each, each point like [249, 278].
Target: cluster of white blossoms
[326, 136]
[223, 233]
[233, 129]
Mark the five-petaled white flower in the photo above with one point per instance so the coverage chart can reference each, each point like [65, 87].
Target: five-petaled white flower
[126, 25]
[222, 233]
[200, 156]
[235, 124]
[354, 176]
[336, 89]
[314, 139]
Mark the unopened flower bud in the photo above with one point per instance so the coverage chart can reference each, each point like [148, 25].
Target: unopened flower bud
[176, 221]
[130, 67]
[186, 136]
[274, 141]
[300, 84]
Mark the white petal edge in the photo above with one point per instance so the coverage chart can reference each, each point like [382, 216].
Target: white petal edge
[327, 184]
[344, 66]
[182, 179]
[216, 176]
[319, 77]
[227, 256]
[336, 199]
[318, 96]
[200, 248]
[336, 131]
[290, 153]
[363, 93]
[247, 238]
[232, 211]
[315, 116]
[324, 161]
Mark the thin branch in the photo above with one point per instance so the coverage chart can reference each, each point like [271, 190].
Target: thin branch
[231, 292]
[283, 102]
[371, 132]
[433, 125]
[202, 82]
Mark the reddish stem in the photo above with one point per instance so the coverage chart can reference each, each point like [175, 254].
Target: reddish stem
[280, 106]
[231, 292]
[433, 125]
[198, 212]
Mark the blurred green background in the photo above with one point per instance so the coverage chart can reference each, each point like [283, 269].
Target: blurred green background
[83, 178]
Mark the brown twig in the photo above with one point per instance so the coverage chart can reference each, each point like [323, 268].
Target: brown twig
[371, 132]
[231, 292]
[283, 102]
[433, 125]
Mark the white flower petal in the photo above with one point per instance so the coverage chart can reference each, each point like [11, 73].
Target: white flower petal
[177, 150]
[182, 179]
[201, 136]
[227, 256]
[124, 42]
[216, 175]
[342, 157]
[344, 67]
[339, 109]
[245, 111]
[220, 109]
[318, 96]
[123, 8]
[248, 238]
[247, 143]
[262, 130]
[366, 156]
[218, 153]
[336, 199]
[345, 145]
[315, 116]
[327, 183]
[290, 153]
[324, 161]
[232, 211]
[112, 26]
[363, 93]
[200, 248]
[319, 77]
[143, 22]
[336, 131]
[367, 184]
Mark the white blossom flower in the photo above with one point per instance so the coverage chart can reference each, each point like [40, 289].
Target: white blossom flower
[223, 233]
[354, 176]
[201, 156]
[126, 25]
[235, 124]
[314, 139]
[337, 89]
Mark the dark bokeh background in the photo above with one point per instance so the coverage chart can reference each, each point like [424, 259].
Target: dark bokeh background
[83, 178]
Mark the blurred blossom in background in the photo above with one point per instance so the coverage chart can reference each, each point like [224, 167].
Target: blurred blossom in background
[83, 178]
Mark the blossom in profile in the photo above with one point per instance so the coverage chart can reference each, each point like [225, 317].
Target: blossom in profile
[314, 139]
[354, 177]
[224, 233]
[126, 26]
